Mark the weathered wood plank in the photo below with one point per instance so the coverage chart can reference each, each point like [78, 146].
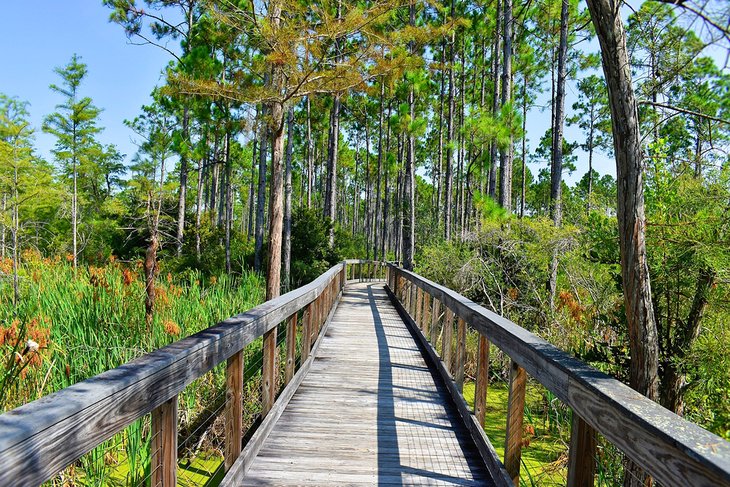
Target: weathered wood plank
[515, 418]
[435, 314]
[582, 454]
[447, 344]
[600, 400]
[370, 408]
[460, 354]
[291, 348]
[234, 408]
[480, 391]
[269, 373]
[163, 465]
[484, 446]
[238, 470]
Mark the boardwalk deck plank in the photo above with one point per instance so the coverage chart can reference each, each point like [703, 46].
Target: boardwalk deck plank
[370, 411]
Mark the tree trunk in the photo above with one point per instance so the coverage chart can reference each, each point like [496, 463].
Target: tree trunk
[310, 159]
[496, 47]
[251, 204]
[228, 220]
[286, 270]
[276, 203]
[556, 173]
[380, 170]
[506, 155]
[182, 193]
[409, 213]
[330, 201]
[450, 135]
[643, 339]
[524, 148]
[261, 194]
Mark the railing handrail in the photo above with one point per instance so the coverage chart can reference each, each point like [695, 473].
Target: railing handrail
[41, 438]
[670, 448]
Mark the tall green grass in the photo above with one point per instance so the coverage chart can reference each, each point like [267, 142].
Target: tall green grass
[92, 319]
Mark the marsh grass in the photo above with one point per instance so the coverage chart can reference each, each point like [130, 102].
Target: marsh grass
[92, 319]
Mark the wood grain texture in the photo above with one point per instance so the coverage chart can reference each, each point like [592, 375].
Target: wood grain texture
[234, 408]
[369, 411]
[582, 454]
[41, 438]
[486, 450]
[447, 344]
[515, 419]
[435, 315]
[460, 354]
[163, 465]
[647, 432]
[269, 372]
[237, 472]
[291, 348]
[482, 385]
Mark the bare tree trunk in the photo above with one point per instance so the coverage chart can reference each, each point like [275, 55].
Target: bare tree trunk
[496, 47]
[556, 173]
[228, 221]
[261, 194]
[286, 268]
[450, 135]
[643, 339]
[276, 203]
[2, 239]
[524, 148]
[182, 193]
[199, 206]
[438, 171]
[310, 160]
[506, 155]
[409, 213]
[251, 204]
[330, 202]
[380, 170]
[75, 213]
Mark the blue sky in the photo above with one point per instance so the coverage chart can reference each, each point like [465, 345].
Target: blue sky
[37, 35]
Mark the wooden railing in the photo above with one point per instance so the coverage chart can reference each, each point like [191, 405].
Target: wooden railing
[366, 270]
[40, 439]
[669, 448]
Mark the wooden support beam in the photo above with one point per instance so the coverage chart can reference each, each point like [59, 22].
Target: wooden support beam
[268, 383]
[480, 391]
[435, 314]
[425, 313]
[582, 453]
[447, 337]
[307, 332]
[234, 408]
[419, 306]
[164, 444]
[460, 354]
[291, 347]
[515, 417]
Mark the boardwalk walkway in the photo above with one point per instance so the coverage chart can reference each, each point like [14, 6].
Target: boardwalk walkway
[370, 411]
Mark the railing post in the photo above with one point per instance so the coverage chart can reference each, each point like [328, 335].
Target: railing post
[435, 313]
[582, 453]
[307, 331]
[447, 339]
[412, 300]
[268, 385]
[425, 318]
[419, 305]
[164, 444]
[234, 408]
[515, 417]
[480, 391]
[460, 354]
[291, 347]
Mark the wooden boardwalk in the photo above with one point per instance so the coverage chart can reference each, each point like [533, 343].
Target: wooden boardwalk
[370, 410]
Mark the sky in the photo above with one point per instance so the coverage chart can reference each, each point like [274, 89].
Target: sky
[36, 36]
